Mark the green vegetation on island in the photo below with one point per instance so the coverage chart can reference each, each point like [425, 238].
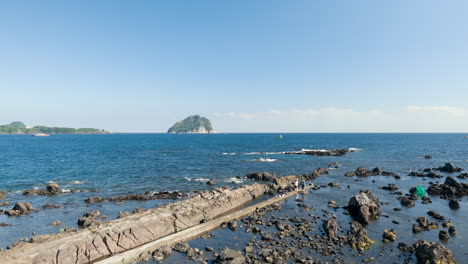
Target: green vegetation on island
[20, 128]
[192, 124]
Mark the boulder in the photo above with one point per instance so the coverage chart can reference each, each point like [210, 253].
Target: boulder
[433, 253]
[261, 176]
[89, 219]
[211, 182]
[364, 207]
[230, 256]
[53, 188]
[363, 172]
[454, 204]
[20, 209]
[449, 167]
[388, 236]
[331, 227]
[357, 237]
[94, 199]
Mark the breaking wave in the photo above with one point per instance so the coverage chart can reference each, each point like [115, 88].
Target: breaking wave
[197, 179]
[264, 160]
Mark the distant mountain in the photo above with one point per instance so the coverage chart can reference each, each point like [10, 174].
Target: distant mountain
[192, 125]
[20, 128]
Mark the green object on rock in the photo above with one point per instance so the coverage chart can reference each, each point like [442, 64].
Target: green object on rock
[420, 191]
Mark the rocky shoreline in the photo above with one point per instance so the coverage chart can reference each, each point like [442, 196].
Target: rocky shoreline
[277, 233]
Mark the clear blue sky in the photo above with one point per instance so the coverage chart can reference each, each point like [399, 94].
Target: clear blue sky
[310, 66]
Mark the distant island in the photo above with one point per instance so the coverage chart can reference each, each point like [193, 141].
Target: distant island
[20, 128]
[192, 125]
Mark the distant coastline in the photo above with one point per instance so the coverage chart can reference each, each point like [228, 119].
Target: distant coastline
[19, 128]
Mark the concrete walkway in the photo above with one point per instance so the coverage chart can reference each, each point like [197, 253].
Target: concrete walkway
[136, 254]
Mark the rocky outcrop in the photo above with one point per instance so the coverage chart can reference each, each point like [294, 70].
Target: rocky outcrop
[449, 189]
[364, 207]
[51, 188]
[192, 125]
[449, 167]
[320, 152]
[122, 234]
[433, 253]
[89, 219]
[230, 256]
[363, 172]
[20, 209]
[357, 237]
[261, 176]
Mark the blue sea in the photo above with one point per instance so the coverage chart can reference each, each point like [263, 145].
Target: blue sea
[115, 164]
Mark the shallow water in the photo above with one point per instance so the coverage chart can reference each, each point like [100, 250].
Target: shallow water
[134, 163]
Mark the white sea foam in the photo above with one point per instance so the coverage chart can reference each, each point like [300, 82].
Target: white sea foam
[76, 182]
[227, 153]
[235, 180]
[66, 190]
[264, 160]
[197, 179]
[355, 149]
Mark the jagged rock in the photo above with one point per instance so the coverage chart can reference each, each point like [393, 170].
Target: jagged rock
[363, 172]
[89, 219]
[20, 209]
[94, 199]
[403, 247]
[53, 188]
[443, 235]
[364, 207]
[390, 187]
[454, 204]
[230, 256]
[433, 253]
[388, 235]
[50, 206]
[357, 237]
[211, 182]
[449, 167]
[232, 225]
[452, 231]
[449, 189]
[261, 176]
[162, 253]
[463, 176]
[331, 227]
[181, 247]
[405, 201]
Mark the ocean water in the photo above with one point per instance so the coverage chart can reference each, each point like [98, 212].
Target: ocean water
[116, 164]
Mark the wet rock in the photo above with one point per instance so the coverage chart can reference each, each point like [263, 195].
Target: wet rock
[388, 236]
[55, 223]
[436, 215]
[349, 174]
[53, 188]
[232, 225]
[452, 231]
[94, 199]
[51, 206]
[443, 235]
[357, 237]
[364, 207]
[230, 256]
[363, 172]
[449, 189]
[4, 224]
[405, 201]
[428, 157]
[424, 224]
[454, 204]
[333, 184]
[261, 176]
[447, 224]
[390, 187]
[209, 249]
[403, 247]
[433, 253]
[20, 209]
[463, 176]
[449, 167]
[2, 195]
[89, 219]
[331, 227]
[162, 253]
[334, 165]
[211, 182]
[181, 247]
[331, 203]
[396, 209]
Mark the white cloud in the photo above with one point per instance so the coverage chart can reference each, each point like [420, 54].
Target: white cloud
[456, 111]
[408, 119]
